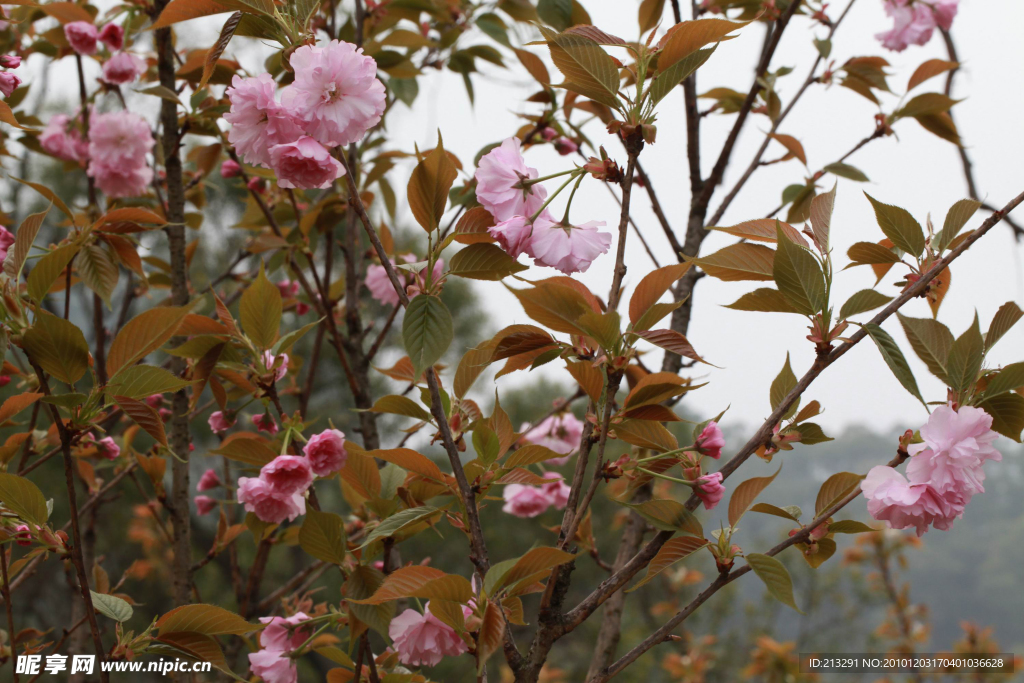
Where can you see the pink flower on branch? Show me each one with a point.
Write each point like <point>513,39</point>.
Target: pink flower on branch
<point>288,474</point>
<point>118,144</point>
<point>82,36</point>
<point>525,501</point>
<point>304,164</point>
<point>112,35</point>
<point>326,452</point>
<point>260,498</point>
<point>8,83</point>
<point>568,248</point>
<point>561,433</point>
<point>205,505</point>
<point>423,639</point>
<point>208,481</point>
<point>219,422</point>
<point>711,441</point>
<point>258,121</point>
<point>498,179</point>
<point>123,67</point>
<point>710,489</point>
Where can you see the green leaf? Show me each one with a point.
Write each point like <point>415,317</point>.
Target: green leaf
<point>931,341</point>
<point>1005,318</point>
<point>834,489</point>
<point>49,194</point>
<point>668,79</point>
<point>98,271</point>
<point>775,577</point>
<point>811,433</point>
<point>764,300</point>
<point>111,606</point>
<point>1007,411</point>
<point>429,185</point>
<point>956,219</point>
<point>260,311</point>
<point>484,262</point>
<point>247,447</point>
<point>400,405</point>
<point>400,520</point>
<point>863,253</point>
<point>209,620</point>
<point>798,276</point>
<point>674,550</point>
<point>894,358</point>
<point>965,358</point>
<point>926,104</point>
<point>362,583</point>
<point>285,343</point>
<point>668,515</point>
<point>427,331</point>
<point>587,68</point>
<point>899,226</point>
<point>23,240</point>
<point>57,346</point>
<point>863,301</point>
<point>486,443</point>
<point>141,381</point>
<point>557,13</point>
<point>739,262</point>
<point>24,498</point>
<point>142,335</point>
<point>322,536</point>
<point>791,512</point>
<point>48,269</point>
<point>849,526</point>
<point>821,218</point>
<point>745,494</point>
<point>783,383</point>
<point>846,171</point>
<point>1009,378</point>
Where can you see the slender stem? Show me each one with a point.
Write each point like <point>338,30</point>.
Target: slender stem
<point>11,633</point>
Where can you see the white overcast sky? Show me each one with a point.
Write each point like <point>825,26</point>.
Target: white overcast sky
<point>918,171</point>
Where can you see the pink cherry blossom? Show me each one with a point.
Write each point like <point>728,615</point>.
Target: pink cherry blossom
<point>118,144</point>
<point>711,441</point>
<point>23,535</point>
<point>557,491</point>
<point>565,146</point>
<point>288,288</point>
<point>326,452</point>
<point>913,24</point>
<point>6,241</point>
<point>273,666</point>
<point>219,423</point>
<point>62,139</point>
<point>230,169</point>
<point>107,448</point>
<point>956,446</point>
<point>82,37</point>
<point>336,92</point>
<point>205,504</point>
<point>123,67</point>
<point>8,83</point>
<point>112,36</point>
<point>380,287</point>
<point>269,359</point>
<point>265,423</point>
<point>304,164</point>
<point>525,501</point>
<point>260,498</point>
<point>423,639</point>
<point>893,499</point>
<point>497,176</point>
<point>288,474</point>
<point>945,12</point>
<point>560,432</point>
<point>10,61</point>
<point>4,380</point>
<point>710,489</point>
<point>258,121</point>
<point>208,481</point>
<point>569,248</point>
<point>513,235</point>
<point>275,636</point>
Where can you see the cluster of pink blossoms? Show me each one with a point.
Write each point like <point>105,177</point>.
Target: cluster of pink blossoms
<point>9,82</point>
<point>334,99</point>
<point>423,639</point>
<point>271,662</point>
<point>915,20</point>
<point>530,501</point>
<point>279,492</point>
<point>118,144</point>
<point>500,190</point>
<point>943,474</point>
<point>560,432</point>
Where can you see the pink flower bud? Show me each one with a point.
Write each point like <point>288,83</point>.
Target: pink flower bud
<point>230,169</point>
<point>265,423</point>
<point>8,83</point>
<point>82,37</point>
<point>257,185</point>
<point>208,481</point>
<point>205,504</point>
<point>10,61</point>
<point>710,441</point>
<point>565,146</point>
<point>710,489</point>
<point>112,36</point>
<point>220,423</point>
<point>23,535</point>
<point>5,380</point>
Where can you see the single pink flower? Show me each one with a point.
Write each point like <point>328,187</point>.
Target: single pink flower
<point>123,67</point>
<point>219,423</point>
<point>112,36</point>
<point>23,535</point>
<point>956,446</point>
<point>230,169</point>
<point>945,12</point>
<point>10,61</point>
<point>565,146</point>
<point>497,177</point>
<point>118,144</point>
<point>208,481</point>
<point>269,359</point>
<point>336,92</point>
<point>257,185</point>
<point>912,25</point>
<point>260,498</point>
<point>557,491</point>
<point>380,287</point>
<point>301,308</point>
<point>155,400</point>
<point>525,501</point>
<point>82,37</point>
<point>289,288</point>
<point>273,666</point>
<point>326,452</point>
<point>513,235</point>
<point>258,121</point>
<point>8,83</point>
<point>288,474</point>
<point>304,164</point>
<point>205,505</point>
<point>275,636</point>
<point>711,441</point>
<point>265,423</point>
<point>6,241</point>
<point>560,432</point>
<point>61,139</point>
<point>107,448</point>
<point>569,248</point>
<point>709,489</point>
<point>423,639</point>
<point>902,504</point>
